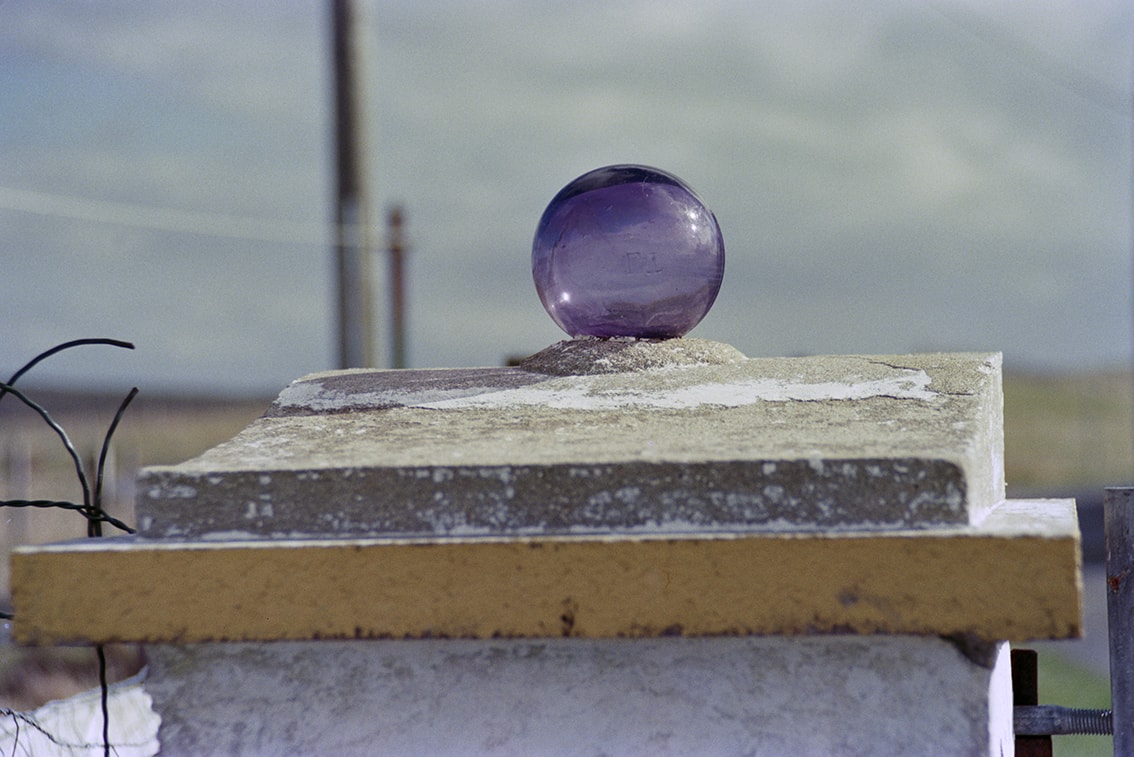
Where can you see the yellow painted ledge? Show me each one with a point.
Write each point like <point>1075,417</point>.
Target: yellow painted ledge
<point>1014,577</point>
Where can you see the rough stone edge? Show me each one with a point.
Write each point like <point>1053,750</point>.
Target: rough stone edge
<point>614,498</point>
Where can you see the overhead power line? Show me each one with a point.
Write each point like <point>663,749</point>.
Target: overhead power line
<point>164,219</point>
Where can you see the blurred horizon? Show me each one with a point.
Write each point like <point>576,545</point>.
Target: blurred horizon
<point>889,177</point>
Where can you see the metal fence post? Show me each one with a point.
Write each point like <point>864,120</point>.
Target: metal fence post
<point>1025,693</point>
<point>1118,510</point>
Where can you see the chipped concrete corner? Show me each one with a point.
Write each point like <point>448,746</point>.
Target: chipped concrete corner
<point>667,437</point>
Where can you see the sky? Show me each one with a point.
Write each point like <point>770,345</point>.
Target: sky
<point>889,177</point>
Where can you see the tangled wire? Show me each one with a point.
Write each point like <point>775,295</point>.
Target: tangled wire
<point>91,506</point>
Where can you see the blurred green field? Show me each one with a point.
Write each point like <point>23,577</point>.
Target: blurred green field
<point>1062,682</point>
<point>1063,433</point>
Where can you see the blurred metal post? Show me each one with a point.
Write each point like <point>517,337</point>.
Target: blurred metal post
<point>352,233</point>
<point>1118,511</point>
<point>396,243</point>
<point>1025,696</point>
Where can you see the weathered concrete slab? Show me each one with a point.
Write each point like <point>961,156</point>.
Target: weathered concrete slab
<point>708,441</point>
<point>841,695</point>
<point>1015,576</point>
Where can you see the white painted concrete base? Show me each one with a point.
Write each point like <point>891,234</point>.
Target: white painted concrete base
<point>72,727</point>
<point>819,695</point>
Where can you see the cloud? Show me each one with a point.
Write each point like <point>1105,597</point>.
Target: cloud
<point>888,177</point>
<point>263,58</point>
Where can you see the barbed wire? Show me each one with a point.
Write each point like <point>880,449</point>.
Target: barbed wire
<point>86,512</point>
<point>91,507</point>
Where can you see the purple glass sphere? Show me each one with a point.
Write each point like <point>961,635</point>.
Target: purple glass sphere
<point>627,251</point>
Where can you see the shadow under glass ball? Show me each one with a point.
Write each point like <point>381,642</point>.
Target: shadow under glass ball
<point>627,251</point>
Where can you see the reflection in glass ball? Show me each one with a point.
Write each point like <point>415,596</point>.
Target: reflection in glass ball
<point>627,251</point>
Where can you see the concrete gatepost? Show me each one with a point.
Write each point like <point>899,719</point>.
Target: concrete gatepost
<point>617,547</point>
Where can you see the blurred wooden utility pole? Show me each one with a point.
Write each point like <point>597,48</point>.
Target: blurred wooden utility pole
<point>352,245</point>
<point>396,244</point>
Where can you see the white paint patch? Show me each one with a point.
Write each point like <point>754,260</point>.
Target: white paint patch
<point>1000,705</point>
<point>313,395</point>
<point>230,536</point>
<point>178,491</point>
<point>308,394</point>
<point>588,393</point>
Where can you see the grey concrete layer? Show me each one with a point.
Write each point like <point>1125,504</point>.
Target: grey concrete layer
<point>862,442</point>
<point>838,695</point>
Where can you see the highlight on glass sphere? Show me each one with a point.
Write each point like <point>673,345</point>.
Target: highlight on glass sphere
<point>627,251</point>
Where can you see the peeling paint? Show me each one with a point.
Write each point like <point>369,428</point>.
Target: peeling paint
<point>582,393</point>
<point>177,491</point>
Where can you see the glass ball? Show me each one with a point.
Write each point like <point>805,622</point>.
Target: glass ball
<point>627,251</point>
